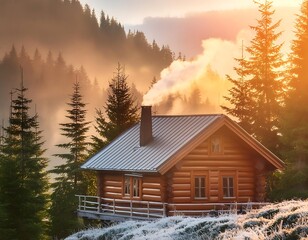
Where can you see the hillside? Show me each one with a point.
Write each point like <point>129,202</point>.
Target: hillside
<point>286,220</point>
<point>59,41</point>
<point>68,27</point>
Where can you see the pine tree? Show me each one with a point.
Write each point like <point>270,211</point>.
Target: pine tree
<point>120,109</point>
<point>240,95</point>
<point>70,180</point>
<point>23,178</point>
<point>99,140</point>
<point>294,182</point>
<point>258,93</point>
<point>265,63</point>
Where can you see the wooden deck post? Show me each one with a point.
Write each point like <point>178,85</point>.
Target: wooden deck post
<point>164,210</point>
<point>113,205</point>
<point>131,208</point>
<point>84,202</point>
<point>99,204</point>
<point>79,204</point>
<point>100,186</point>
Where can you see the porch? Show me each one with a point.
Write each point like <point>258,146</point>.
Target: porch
<point>93,207</point>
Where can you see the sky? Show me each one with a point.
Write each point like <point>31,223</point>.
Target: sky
<point>130,12</point>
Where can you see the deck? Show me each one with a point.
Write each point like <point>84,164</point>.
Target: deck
<point>93,207</point>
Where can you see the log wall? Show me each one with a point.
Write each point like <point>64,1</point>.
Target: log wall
<point>112,185</point>
<point>234,160</point>
<point>153,187</point>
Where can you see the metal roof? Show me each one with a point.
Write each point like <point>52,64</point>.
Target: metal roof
<point>170,134</point>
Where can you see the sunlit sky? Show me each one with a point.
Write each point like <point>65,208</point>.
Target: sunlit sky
<point>134,11</point>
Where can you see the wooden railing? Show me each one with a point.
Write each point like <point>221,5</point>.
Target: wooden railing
<point>120,207</point>
<point>213,209</point>
<point>117,209</point>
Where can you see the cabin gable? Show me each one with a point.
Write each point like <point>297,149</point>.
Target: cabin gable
<point>223,168</point>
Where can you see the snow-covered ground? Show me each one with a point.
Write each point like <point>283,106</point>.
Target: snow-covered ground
<point>286,220</point>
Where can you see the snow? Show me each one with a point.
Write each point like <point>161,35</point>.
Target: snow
<point>285,220</point>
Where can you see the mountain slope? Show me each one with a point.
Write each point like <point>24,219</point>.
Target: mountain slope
<point>66,26</point>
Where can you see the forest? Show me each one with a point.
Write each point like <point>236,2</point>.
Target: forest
<point>51,123</point>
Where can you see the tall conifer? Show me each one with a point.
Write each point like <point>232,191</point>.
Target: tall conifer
<point>120,109</point>
<point>70,180</point>
<point>23,178</point>
<point>265,63</point>
<point>240,95</point>
<point>263,91</point>
<point>294,182</point>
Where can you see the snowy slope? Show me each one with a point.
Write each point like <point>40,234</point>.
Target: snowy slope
<point>286,220</point>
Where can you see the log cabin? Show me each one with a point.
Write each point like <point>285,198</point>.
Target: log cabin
<point>168,165</point>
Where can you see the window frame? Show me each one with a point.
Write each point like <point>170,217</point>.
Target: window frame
<point>199,174</point>
<point>228,174</point>
<point>132,179</point>
<point>228,187</point>
<point>138,181</point>
<point>220,145</point>
<point>200,178</point>
<point>127,183</point>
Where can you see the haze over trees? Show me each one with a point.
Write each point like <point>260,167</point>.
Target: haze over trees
<point>49,36</point>
<point>96,42</point>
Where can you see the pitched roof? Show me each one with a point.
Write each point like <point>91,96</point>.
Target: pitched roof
<point>174,137</point>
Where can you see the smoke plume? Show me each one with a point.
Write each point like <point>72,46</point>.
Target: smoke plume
<point>206,72</point>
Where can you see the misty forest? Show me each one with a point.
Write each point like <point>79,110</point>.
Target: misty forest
<point>71,82</point>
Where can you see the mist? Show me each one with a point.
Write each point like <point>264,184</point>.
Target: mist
<point>91,49</point>
<point>204,76</point>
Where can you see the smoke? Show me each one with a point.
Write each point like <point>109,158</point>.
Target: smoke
<point>206,73</point>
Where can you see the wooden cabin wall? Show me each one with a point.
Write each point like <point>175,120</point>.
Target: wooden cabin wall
<point>111,186</point>
<point>154,188</point>
<point>233,160</point>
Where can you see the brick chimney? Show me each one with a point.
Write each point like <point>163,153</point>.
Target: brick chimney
<point>146,125</point>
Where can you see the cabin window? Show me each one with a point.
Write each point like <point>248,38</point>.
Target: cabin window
<point>136,187</point>
<point>200,183</point>
<point>216,144</point>
<point>127,186</point>
<point>132,187</point>
<point>228,187</point>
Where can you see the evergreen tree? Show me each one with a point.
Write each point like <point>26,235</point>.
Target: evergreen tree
<point>23,178</point>
<point>294,181</point>
<point>120,109</point>
<point>265,64</point>
<point>258,93</point>
<point>70,180</point>
<point>240,95</point>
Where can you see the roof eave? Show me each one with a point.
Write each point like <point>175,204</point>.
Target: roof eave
<point>121,170</point>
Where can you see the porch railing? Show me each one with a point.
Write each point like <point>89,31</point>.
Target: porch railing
<point>121,207</point>
<point>192,209</point>
<point>108,208</point>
